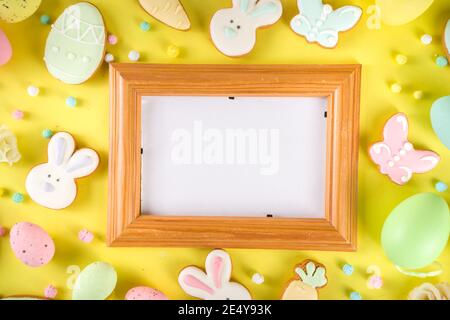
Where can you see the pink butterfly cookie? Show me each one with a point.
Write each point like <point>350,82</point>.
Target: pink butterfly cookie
<point>396,156</point>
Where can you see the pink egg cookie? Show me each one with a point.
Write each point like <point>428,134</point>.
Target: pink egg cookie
<point>31,244</point>
<point>396,156</point>
<point>144,293</point>
<point>5,49</point>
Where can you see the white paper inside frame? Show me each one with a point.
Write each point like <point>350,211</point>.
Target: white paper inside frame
<point>218,156</point>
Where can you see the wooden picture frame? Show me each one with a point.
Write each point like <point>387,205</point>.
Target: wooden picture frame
<point>340,84</point>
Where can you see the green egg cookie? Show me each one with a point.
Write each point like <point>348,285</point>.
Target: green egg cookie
<point>17,10</point>
<point>76,44</point>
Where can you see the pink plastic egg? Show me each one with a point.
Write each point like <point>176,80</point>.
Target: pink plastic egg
<point>144,293</point>
<point>31,244</point>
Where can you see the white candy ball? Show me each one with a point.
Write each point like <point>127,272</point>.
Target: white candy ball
<point>33,91</point>
<point>258,278</point>
<point>426,39</point>
<point>134,55</point>
<point>109,58</point>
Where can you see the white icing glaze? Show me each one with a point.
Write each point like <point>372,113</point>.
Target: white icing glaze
<point>215,283</point>
<point>52,184</point>
<point>233,30</point>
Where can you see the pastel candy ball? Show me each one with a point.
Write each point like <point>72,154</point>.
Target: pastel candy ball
<point>173,51</point>
<point>401,59</point>
<point>33,91</point>
<point>71,102</point>
<point>441,61</point>
<point>418,94</point>
<point>14,11</point>
<point>426,39</point>
<point>258,278</point>
<point>85,236</point>
<point>416,231</point>
<point>396,88</point>
<point>31,244</point>
<point>109,58</point>
<point>440,119</point>
<point>375,282</point>
<point>76,44</point>
<point>144,293</point>
<point>18,114</point>
<point>145,26</point>
<point>347,269</point>
<point>44,19</point>
<point>134,55</point>
<point>355,296</point>
<point>441,186</point>
<point>18,197</point>
<point>96,282</point>
<point>47,133</point>
<point>112,39</point>
<point>50,292</point>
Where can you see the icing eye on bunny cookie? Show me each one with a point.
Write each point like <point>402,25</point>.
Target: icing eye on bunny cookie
<point>233,30</point>
<point>52,184</point>
<point>215,283</point>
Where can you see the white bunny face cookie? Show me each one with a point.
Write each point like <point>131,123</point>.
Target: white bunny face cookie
<point>215,284</point>
<point>233,30</point>
<point>52,184</point>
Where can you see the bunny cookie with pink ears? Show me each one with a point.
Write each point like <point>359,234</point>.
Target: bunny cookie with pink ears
<point>52,184</point>
<point>215,283</point>
<point>233,30</point>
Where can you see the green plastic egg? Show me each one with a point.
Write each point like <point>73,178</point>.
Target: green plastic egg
<point>416,232</point>
<point>440,119</point>
<point>96,282</point>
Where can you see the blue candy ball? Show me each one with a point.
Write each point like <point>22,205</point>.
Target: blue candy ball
<point>441,61</point>
<point>347,269</point>
<point>355,296</point>
<point>145,26</point>
<point>47,133</point>
<point>45,19</point>
<point>441,186</point>
<point>18,197</point>
<point>71,102</point>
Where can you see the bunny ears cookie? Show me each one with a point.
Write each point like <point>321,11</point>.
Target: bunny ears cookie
<point>215,283</point>
<point>320,23</point>
<point>52,184</point>
<point>233,30</point>
<point>310,277</point>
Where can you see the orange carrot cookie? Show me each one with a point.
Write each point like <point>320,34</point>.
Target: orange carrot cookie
<point>170,12</point>
<point>310,277</point>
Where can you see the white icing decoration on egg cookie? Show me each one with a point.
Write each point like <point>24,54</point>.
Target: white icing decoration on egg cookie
<point>76,44</point>
<point>52,184</point>
<point>233,30</point>
<point>320,23</point>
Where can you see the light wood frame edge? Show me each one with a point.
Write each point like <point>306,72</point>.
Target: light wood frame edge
<point>129,82</point>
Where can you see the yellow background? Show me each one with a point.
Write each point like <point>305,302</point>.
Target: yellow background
<point>88,122</point>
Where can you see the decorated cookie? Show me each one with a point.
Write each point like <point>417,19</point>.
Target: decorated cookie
<point>31,244</point>
<point>52,184</point>
<point>5,48</point>
<point>96,282</point>
<point>170,12</point>
<point>396,156</point>
<point>9,152</point>
<point>76,44</point>
<point>215,283</point>
<point>144,293</point>
<point>399,12</point>
<point>446,38</point>
<point>17,10</point>
<point>233,30</point>
<point>311,276</point>
<point>318,22</point>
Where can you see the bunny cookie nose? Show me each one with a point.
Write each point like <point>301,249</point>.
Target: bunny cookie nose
<point>48,187</point>
<point>230,32</point>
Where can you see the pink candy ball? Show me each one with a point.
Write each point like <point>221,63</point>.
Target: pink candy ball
<point>85,236</point>
<point>18,114</point>
<point>112,39</point>
<point>50,292</point>
<point>376,282</point>
<point>144,293</point>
